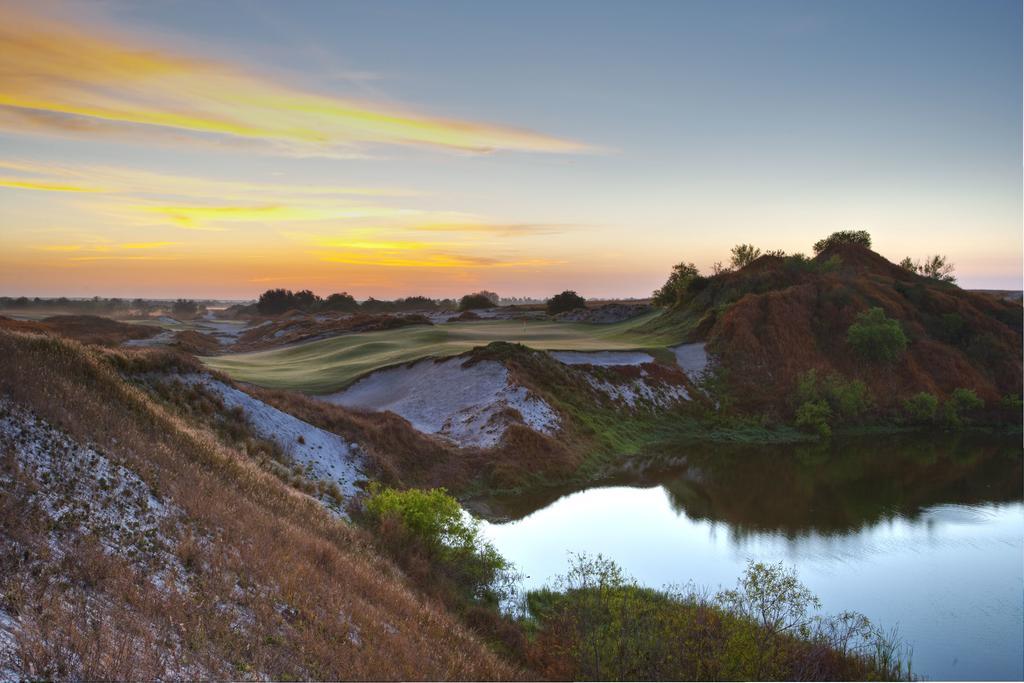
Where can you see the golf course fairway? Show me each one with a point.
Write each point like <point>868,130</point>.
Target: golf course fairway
<point>327,365</point>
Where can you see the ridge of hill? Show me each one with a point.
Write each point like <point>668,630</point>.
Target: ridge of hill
<point>774,320</point>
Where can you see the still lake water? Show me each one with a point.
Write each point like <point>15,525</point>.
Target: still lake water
<point>923,533</point>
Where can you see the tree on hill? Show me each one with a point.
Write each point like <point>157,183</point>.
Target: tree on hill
<point>275,301</point>
<point>673,292</point>
<point>566,301</point>
<point>343,301</point>
<point>495,299</point>
<point>744,254</point>
<point>935,267</point>
<point>861,237</point>
<point>306,300</point>
<point>474,301</point>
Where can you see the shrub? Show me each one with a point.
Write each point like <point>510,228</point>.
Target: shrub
<point>435,520</point>
<point>847,399</point>
<point>744,254</point>
<point>475,301</point>
<point>1012,403</point>
<point>935,267</point>
<point>960,404</point>
<point>598,624</point>
<point>673,292</point>
<point>861,237</point>
<point>921,408</point>
<point>813,417</point>
<point>876,337</point>
<point>566,301</point>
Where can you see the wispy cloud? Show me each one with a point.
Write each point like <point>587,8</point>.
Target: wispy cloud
<point>420,259</point>
<point>498,229</point>
<point>119,180</point>
<point>102,248</point>
<point>68,74</point>
<point>44,186</point>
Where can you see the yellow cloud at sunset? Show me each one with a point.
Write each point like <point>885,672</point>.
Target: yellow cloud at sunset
<point>62,70</point>
<point>16,184</point>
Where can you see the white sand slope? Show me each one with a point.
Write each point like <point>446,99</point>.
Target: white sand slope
<point>642,392</point>
<point>326,456</point>
<point>604,358</point>
<point>693,359</point>
<point>81,489</point>
<point>468,405</point>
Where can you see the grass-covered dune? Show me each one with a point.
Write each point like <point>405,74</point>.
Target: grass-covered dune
<point>139,541</point>
<point>329,364</point>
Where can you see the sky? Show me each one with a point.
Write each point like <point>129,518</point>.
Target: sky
<point>217,149</point>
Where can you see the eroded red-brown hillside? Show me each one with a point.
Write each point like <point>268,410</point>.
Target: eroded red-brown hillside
<point>779,317</point>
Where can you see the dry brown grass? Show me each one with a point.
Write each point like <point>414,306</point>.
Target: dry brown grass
<point>88,329</point>
<point>274,584</point>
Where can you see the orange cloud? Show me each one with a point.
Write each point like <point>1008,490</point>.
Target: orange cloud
<point>64,71</point>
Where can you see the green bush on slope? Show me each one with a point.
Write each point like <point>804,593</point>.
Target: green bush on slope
<point>875,337</point>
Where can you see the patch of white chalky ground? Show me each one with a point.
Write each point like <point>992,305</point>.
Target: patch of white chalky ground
<point>324,455</point>
<point>467,404</point>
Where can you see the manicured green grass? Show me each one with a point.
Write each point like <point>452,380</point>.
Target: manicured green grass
<point>328,365</point>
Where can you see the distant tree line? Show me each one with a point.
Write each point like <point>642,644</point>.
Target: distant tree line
<point>277,301</point>
<point>114,306</point>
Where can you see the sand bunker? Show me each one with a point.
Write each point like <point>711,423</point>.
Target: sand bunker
<point>469,405</point>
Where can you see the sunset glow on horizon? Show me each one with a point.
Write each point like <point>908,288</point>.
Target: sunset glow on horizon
<point>393,150</point>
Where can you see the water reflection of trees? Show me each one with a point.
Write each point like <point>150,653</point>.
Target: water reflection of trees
<point>843,485</point>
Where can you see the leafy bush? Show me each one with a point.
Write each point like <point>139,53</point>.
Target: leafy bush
<point>475,301</point>
<point>876,337</point>
<point>437,523</point>
<point>1012,403</point>
<point>960,404</point>
<point>814,416</point>
<point>598,624</point>
<point>921,408</point>
<point>744,254</point>
<point>935,267</point>
<point>846,399</point>
<point>673,292</point>
<point>861,237</point>
<point>566,301</point>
